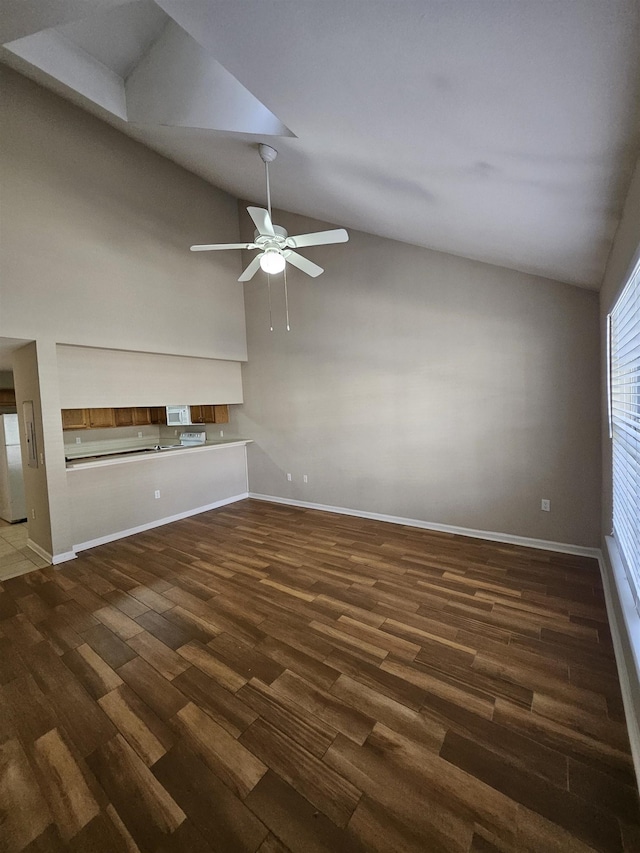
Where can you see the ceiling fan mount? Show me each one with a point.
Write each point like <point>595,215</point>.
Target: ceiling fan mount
<point>275,245</point>
<point>267,153</point>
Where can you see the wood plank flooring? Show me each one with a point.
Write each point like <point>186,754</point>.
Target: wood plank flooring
<point>265,679</point>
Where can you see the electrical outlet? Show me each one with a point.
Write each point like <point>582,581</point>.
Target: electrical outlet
<point>157,494</point>
<point>545,505</point>
<point>221,433</point>
<point>78,440</point>
<point>139,433</point>
<point>305,479</point>
<point>33,513</point>
<point>289,477</point>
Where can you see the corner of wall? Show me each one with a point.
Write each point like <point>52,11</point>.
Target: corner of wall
<point>27,385</point>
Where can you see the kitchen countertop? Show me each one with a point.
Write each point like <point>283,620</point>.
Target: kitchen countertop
<point>139,454</point>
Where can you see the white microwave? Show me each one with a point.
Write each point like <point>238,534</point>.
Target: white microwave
<point>178,415</point>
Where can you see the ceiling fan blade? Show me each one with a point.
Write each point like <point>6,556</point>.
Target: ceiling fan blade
<point>214,247</point>
<point>252,269</point>
<point>318,238</point>
<point>262,221</point>
<point>303,264</point>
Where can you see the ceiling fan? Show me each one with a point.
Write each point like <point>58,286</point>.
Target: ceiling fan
<point>276,247</point>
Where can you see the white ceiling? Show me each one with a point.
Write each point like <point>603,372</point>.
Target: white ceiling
<point>502,130</point>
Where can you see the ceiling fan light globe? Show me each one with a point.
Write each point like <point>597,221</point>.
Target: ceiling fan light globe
<point>272,262</point>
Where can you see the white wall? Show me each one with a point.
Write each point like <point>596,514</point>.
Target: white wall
<point>425,386</point>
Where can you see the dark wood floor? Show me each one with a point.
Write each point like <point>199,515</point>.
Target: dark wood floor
<point>265,678</point>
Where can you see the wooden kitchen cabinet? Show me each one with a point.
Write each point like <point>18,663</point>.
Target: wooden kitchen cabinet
<point>75,419</point>
<point>101,418</point>
<point>207,413</point>
<point>202,414</point>
<point>7,396</point>
<point>158,415</point>
<point>221,414</point>
<point>123,417</point>
<point>132,416</point>
<point>141,415</point>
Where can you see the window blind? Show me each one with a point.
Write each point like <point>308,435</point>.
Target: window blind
<point>625,426</point>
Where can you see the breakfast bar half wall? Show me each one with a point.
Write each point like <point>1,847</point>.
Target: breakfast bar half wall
<point>113,498</point>
<point>54,376</point>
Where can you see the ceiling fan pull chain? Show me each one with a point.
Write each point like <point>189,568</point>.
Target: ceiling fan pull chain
<point>269,289</point>
<point>286,299</point>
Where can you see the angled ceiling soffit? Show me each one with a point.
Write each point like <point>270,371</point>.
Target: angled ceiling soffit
<point>169,80</point>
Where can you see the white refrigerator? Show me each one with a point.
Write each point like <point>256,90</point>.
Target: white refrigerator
<point>12,503</point>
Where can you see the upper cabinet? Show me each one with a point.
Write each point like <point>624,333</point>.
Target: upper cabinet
<point>141,415</point>
<point>123,417</point>
<point>158,414</point>
<point>75,418</point>
<point>207,413</point>
<point>133,416</point>
<point>99,418</point>
<point>204,413</point>
<point>197,414</point>
<point>89,418</point>
<point>221,414</point>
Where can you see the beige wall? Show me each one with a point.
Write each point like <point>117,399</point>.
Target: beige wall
<point>422,385</point>
<point>412,383</point>
<point>101,377</point>
<point>95,254</point>
<point>96,249</point>
<point>115,498</point>
<point>27,384</point>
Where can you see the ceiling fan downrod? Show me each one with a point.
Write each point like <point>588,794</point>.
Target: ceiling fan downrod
<point>267,155</point>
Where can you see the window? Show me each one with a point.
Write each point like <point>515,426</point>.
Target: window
<point>624,419</point>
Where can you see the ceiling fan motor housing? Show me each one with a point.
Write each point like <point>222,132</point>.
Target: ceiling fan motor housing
<point>265,240</point>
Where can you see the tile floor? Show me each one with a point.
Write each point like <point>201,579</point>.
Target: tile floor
<point>16,558</point>
<point>271,679</point>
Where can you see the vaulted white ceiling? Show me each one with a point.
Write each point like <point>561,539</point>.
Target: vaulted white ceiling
<point>501,130</point>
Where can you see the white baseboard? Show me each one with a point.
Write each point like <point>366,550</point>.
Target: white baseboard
<point>624,621</point>
<point>507,538</point>
<point>63,558</point>
<point>121,534</point>
<point>39,551</point>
